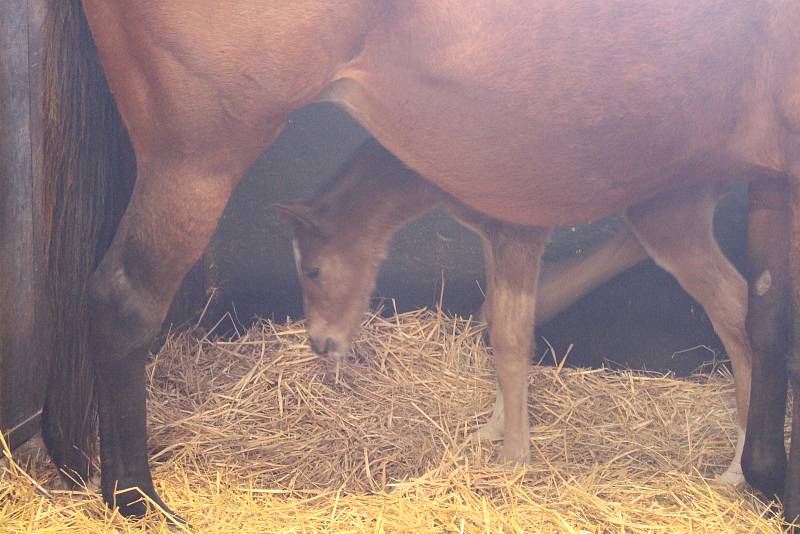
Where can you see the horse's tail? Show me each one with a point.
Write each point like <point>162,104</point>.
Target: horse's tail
<point>89,169</point>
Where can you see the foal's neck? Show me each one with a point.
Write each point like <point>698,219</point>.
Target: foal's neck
<point>375,195</point>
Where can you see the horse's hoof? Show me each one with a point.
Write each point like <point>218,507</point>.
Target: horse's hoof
<point>133,503</point>
<point>791,516</point>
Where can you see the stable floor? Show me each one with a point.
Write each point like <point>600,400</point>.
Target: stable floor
<point>255,434</point>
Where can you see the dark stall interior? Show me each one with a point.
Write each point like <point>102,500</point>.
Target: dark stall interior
<point>641,319</point>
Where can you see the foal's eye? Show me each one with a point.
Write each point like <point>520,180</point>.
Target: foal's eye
<point>313,274</point>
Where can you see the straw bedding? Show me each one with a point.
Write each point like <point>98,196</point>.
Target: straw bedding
<point>255,434</point>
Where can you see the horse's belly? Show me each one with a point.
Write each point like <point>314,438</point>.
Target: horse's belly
<point>556,112</point>
<point>531,169</point>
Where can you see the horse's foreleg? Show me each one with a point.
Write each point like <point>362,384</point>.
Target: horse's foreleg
<point>764,456</point>
<point>512,256</point>
<point>676,230</point>
<point>171,217</point>
<point>791,497</point>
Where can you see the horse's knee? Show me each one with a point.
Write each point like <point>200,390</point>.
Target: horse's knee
<point>124,318</point>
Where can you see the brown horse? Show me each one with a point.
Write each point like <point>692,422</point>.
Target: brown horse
<point>533,113</point>
<point>342,235</point>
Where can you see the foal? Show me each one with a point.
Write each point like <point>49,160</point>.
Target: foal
<point>341,238</point>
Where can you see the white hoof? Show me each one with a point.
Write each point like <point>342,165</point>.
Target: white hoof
<point>92,486</point>
<point>517,455</point>
<point>731,477</point>
<point>491,431</point>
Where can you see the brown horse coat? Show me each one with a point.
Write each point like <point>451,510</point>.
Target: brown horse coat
<point>535,113</point>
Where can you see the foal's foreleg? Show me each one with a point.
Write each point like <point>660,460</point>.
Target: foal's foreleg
<point>676,229</point>
<point>562,284</point>
<point>565,282</point>
<point>512,256</point>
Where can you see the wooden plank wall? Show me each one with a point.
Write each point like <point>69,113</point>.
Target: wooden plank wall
<point>23,332</point>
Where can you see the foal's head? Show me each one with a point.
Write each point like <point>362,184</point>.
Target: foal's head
<point>341,238</point>
<point>337,263</point>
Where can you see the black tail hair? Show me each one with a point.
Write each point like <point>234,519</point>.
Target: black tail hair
<point>89,169</point>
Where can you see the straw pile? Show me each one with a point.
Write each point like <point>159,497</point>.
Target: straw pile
<point>255,434</point>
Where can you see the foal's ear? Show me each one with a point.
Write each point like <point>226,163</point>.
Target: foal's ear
<point>304,217</point>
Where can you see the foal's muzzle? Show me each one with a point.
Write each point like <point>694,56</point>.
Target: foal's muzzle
<point>329,346</point>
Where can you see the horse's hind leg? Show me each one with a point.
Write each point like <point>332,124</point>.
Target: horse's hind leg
<point>172,214</point>
<point>512,256</point>
<point>676,230</point>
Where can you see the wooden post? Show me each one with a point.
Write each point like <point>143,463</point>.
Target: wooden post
<point>23,324</point>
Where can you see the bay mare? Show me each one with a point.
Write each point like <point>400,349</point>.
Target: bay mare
<point>534,113</point>
<point>342,236</point>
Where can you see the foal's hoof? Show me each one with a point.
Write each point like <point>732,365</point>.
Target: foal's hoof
<point>516,455</point>
<point>94,484</point>
<point>731,477</point>
<point>489,432</point>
